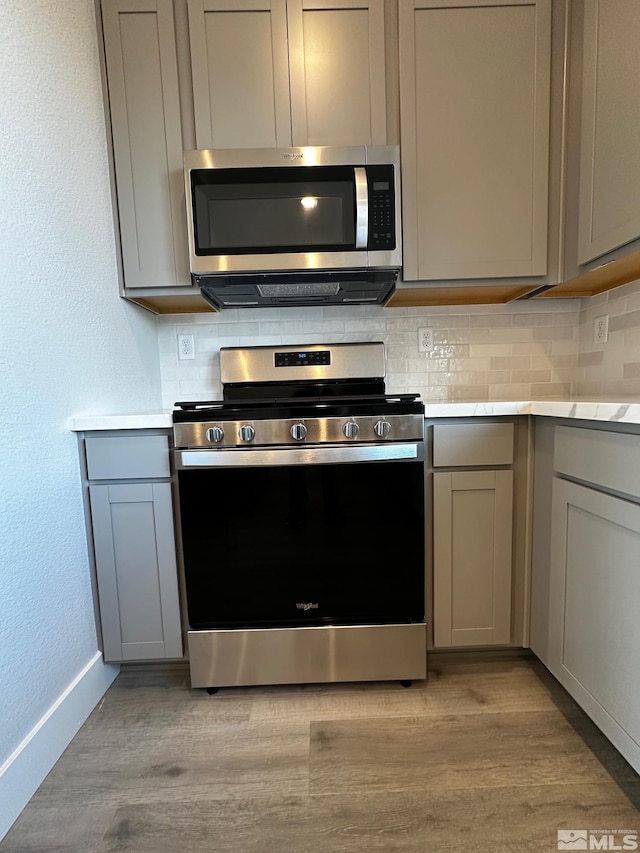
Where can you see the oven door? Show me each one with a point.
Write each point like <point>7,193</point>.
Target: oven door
<point>303,536</point>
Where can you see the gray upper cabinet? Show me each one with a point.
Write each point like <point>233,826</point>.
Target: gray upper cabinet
<point>609,208</point>
<point>240,73</point>
<point>276,73</point>
<point>144,106</point>
<point>337,62</point>
<point>474,111</point>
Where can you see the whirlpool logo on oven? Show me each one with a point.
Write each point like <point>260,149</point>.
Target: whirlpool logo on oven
<point>307,605</point>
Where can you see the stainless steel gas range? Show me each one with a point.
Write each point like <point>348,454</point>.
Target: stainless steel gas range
<point>302,520</point>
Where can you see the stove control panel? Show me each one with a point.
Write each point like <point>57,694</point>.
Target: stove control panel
<point>303,358</point>
<point>268,432</point>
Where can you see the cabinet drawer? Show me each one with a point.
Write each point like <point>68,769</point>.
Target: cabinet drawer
<point>609,459</point>
<point>130,457</point>
<point>456,445</point>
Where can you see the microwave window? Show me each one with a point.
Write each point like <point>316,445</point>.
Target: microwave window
<point>297,213</point>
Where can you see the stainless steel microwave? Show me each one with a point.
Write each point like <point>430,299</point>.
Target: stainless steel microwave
<point>295,226</point>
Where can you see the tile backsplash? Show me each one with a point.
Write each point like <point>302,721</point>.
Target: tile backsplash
<point>610,370</point>
<point>537,349</point>
<point>520,351</point>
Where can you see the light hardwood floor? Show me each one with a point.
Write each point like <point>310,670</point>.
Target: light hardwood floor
<point>489,755</point>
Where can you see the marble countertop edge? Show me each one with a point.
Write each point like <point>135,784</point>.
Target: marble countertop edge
<point>594,410</point>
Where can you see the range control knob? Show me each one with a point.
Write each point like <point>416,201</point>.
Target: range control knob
<point>382,429</point>
<point>298,431</point>
<point>215,434</point>
<point>351,429</point>
<point>246,432</point>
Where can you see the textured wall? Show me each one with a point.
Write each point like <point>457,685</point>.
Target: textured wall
<point>521,351</point>
<point>68,345</point>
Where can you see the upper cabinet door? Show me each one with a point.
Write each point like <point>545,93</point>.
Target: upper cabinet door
<point>240,73</point>
<point>142,77</point>
<point>337,61</point>
<point>610,153</point>
<point>474,112</point>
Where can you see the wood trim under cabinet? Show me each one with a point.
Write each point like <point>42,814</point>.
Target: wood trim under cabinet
<point>191,303</point>
<point>470,294</point>
<point>603,278</point>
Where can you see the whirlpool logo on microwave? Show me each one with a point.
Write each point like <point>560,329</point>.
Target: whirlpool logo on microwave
<point>294,155</point>
<point>307,605</point>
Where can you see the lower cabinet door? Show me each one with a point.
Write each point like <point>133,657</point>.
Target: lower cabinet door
<point>472,535</point>
<point>136,569</point>
<point>594,596</point>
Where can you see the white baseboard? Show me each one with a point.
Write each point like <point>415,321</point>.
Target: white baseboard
<point>25,769</point>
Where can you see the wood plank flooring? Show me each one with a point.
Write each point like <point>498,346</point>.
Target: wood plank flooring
<point>490,754</point>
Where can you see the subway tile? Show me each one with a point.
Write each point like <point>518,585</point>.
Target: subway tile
<point>259,340</point>
<point>588,390</point>
<point>510,362</point>
<point>555,333</point>
<point>451,351</point>
<point>431,395</point>
<point>590,359</point>
<point>505,336</point>
<point>530,320</point>
<point>540,390</point>
<point>509,391</point>
<point>564,347</point>
<point>343,312</point>
<point>553,361</point>
<point>624,321</point>
<point>469,364</point>
<point>322,327</point>
<point>471,393</point>
<point>490,377</point>
<point>370,325</point>
<point>562,374</point>
<point>531,348</point>
<point>238,330</point>
<point>490,321</point>
<point>530,376</point>
<point>489,350</point>
<point>461,336</point>
<point>280,327</point>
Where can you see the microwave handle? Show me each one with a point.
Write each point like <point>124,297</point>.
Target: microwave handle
<point>362,208</point>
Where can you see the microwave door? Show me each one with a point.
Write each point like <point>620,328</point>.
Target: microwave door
<point>279,218</point>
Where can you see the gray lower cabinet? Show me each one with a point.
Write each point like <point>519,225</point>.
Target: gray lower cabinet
<point>589,632</point>
<point>473,524</point>
<point>134,547</point>
<point>473,520</point>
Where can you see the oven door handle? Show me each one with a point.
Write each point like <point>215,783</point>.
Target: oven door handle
<point>264,457</point>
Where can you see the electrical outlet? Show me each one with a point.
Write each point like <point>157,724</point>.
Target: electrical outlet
<point>425,340</point>
<point>601,329</point>
<point>186,347</point>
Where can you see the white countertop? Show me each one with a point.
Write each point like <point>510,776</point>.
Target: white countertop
<point>590,410</point>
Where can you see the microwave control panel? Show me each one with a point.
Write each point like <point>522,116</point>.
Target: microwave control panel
<point>382,206</point>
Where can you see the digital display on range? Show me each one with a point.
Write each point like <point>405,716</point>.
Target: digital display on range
<point>302,358</point>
